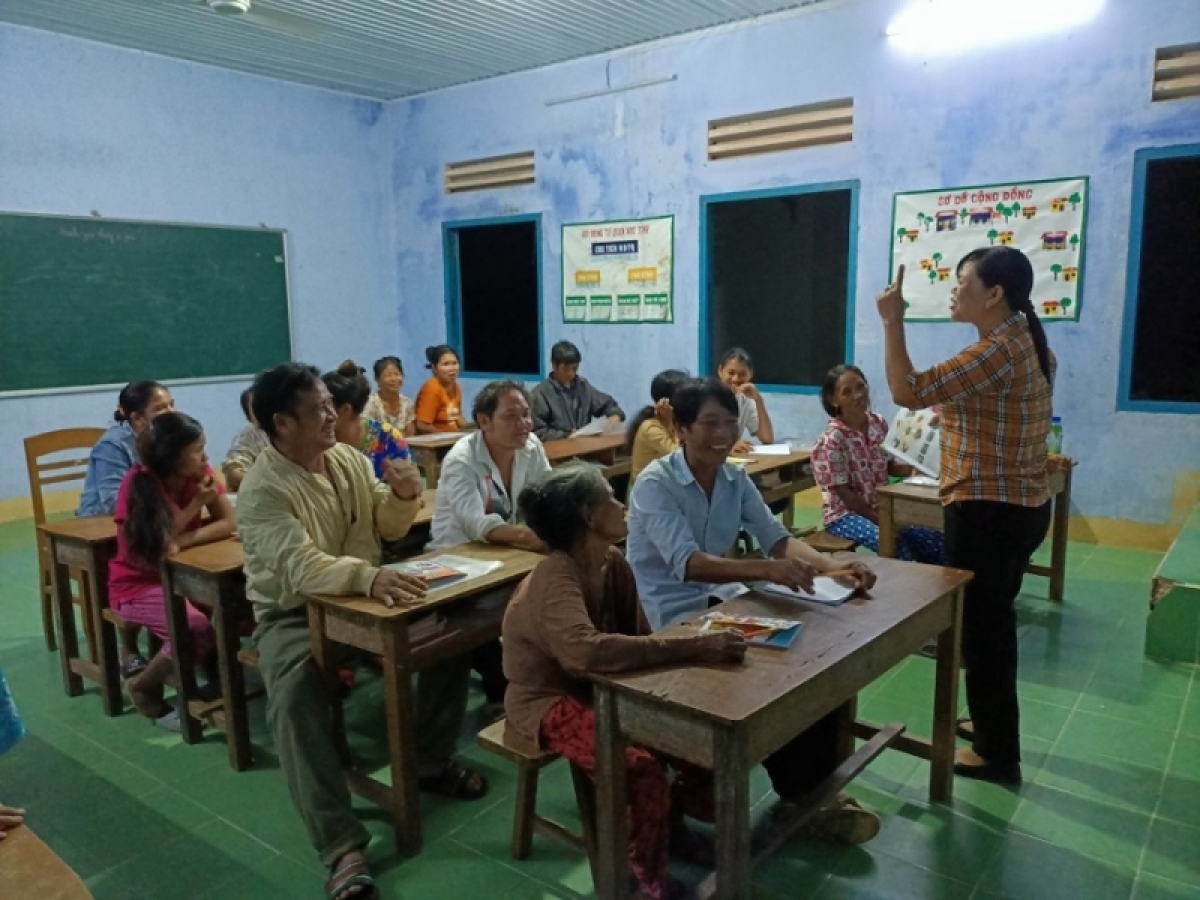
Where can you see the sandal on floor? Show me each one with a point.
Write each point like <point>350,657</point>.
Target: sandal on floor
<point>961,729</point>
<point>455,780</point>
<point>351,881</point>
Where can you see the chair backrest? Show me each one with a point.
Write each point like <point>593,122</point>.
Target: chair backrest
<point>42,457</point>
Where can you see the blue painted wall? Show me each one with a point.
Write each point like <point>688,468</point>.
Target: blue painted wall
<point>88,127</point>
<point>1067,104</point>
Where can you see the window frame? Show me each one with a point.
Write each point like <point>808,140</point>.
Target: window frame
<point>1133,268</point>
<point>451,262</point>
<point>706,350</point>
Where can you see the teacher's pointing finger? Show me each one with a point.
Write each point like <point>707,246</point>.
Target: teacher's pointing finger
<point>891,301</point>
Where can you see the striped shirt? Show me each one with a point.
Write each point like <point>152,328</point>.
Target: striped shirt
<point>995,415</point>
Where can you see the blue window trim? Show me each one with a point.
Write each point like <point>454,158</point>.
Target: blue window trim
<point>706,350</point>
<point>454,327</point>
<point>1141,160</point>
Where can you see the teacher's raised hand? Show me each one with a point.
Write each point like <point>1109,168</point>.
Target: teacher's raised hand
<point>891,301</point>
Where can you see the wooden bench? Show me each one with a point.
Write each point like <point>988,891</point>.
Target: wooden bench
<point>503,741</point>
<point>28,868</point>
<point>824,542</point>
<point>1173,631</point>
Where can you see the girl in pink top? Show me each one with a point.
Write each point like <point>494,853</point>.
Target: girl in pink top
<point>158,512</point>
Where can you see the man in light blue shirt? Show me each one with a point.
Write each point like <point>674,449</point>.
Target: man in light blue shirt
<point>685,513</point>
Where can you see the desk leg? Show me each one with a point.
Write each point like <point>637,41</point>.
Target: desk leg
<point>1058,540</point>
<point>945,706</point>
<point>732,815</point>
<point>402,748</point>
<point>612,842</point>
<point>191,729</point>
<point>887,528</point>
<point>96,601</point>
<point>68,637</point>
<point>233,682</point>
<point>325,658</point>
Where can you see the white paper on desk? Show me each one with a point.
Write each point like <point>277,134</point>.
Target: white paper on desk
<point>471,568</point>
<point>825,590</point>
<point>596,426</point>
<point>420,439</point>
<point>772,449</point>
<point>921,481</point>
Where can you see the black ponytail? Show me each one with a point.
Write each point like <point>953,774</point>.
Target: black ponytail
<point>149,519</point>
<point>134,398</point>
<point>664,385</point>
<point>1009,268</point>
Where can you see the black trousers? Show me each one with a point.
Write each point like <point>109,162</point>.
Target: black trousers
<point>994,540</point>
<point>801,764</point>
<point>488,661</point>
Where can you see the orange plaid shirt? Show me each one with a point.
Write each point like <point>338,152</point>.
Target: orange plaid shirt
<point>995,415</point>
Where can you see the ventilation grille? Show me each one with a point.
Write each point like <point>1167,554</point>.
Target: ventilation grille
<point>1177,72</point>
<point>781,129</point>
<point>494,172</point>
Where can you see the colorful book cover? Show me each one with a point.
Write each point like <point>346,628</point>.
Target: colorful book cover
<point>432,572</point>
<point>758,630</point>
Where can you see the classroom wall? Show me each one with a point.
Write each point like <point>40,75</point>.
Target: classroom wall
<point>84,127</point>
<point>1061,105</point>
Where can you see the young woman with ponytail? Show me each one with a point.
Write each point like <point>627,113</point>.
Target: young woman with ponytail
<point>995,403</point>
<point>158,512</point>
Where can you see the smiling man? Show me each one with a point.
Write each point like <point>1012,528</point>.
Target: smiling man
<point>311,515</point>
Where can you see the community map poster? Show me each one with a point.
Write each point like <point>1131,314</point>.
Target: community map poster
<point>933,230</point>
<point>619,273</point>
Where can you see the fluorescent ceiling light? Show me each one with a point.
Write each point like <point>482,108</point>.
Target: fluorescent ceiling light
<point>952,26</point>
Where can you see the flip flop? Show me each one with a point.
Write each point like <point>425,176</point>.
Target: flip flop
<point>352,881</point>
<point>455,780</point>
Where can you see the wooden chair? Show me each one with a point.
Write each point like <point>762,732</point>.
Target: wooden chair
<point>503,741</point>
<point>824,542</point>
<point>57,457</point>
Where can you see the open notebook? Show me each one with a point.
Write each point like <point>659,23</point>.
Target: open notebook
<point>825,590</point>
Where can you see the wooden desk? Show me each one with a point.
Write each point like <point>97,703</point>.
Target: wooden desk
<point>428,451</point>
<point>601,448</point>
<point>368,625</point>
<point>905,504</point>
<point>729,718</point>
<point>211,576</point>
<point>86,545</point>
<point>28,868</point>
<point>782,477</point>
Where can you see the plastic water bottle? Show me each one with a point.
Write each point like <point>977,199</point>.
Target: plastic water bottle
<point>1054,440</point>
<point>11,729</point>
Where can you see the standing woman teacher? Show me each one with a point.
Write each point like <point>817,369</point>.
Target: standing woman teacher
<point>995,399</point>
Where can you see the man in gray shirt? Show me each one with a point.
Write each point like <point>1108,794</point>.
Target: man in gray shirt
<point>564,402</point>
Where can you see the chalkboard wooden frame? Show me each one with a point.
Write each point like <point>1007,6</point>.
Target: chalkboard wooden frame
<point>238,274</point>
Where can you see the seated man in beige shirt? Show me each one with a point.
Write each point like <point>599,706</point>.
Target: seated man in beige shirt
<point>311,515</point>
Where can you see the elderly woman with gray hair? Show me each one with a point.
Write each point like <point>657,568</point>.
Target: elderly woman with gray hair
<point>579,612</point>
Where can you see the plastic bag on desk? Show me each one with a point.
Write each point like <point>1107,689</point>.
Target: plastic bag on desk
<point>11,728</point>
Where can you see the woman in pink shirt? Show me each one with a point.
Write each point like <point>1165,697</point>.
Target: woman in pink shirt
<point>158,512</point>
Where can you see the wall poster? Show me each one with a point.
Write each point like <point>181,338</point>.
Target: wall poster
<point>933,230</point>
<point>619,273</point>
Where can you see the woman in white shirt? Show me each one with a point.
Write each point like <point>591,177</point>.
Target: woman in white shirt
<point>482,476</point>
<point>736,369</point>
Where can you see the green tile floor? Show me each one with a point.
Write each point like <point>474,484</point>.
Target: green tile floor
<point>1110,808</point>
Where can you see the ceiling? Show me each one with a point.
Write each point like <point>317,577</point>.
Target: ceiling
<point>381,48</point>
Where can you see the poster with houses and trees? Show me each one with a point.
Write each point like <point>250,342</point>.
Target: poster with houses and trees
<point>933,230</point>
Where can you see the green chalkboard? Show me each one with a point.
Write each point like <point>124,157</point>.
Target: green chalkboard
<point>89,302</point>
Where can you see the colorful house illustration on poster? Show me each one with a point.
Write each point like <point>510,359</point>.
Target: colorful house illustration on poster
<point>1044,219</point>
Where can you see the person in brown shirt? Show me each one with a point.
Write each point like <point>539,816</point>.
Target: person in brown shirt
<point>578,612</point>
